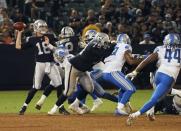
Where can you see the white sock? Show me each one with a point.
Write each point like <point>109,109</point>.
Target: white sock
<point>43,97</point>
<point>76,102</point>
<point>120,106</point>
<point>55,107</point>
<point>25,104</point>
<point>176,92</point>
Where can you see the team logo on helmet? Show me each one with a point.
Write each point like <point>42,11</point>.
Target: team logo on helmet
<point>60,53</point>
<point>89,35</point>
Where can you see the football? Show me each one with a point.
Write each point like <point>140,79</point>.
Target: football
<point>19,26</point>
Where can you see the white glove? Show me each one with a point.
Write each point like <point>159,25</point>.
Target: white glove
<point>132,75</point>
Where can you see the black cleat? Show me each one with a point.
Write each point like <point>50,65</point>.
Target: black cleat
<point>22,111</point>
<point>38,107</point>
<point>63,111</point>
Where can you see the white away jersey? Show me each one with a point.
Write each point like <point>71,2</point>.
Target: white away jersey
<point>170,60</point>
<point>116,60</point>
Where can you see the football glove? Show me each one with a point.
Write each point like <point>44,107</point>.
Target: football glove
<point>132,75</point>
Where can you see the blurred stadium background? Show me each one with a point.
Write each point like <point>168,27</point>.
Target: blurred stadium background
<point>146,22</point>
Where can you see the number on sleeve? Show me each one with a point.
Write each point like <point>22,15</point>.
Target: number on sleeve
<point>69,46</point>
<point>115,51</point>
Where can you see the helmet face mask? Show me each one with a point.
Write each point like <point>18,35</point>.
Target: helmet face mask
<point>66,32</point>
<point>40,26</point>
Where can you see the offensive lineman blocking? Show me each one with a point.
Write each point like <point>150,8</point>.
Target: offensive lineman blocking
<point>78,66</point>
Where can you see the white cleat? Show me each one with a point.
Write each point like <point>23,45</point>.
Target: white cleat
<point>120,112</point>
<point>53,110</point>
<point>130,119</point>
<point>85,109</point>
<point>76,109</point>
<point>128,108</point>
<point>97,103</point>
<point>150,114</point>
<point>151,117</point>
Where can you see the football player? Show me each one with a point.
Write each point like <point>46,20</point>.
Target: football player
<point>78,66</point>
<point>166,75</point>
<point>98,92</point>
<point>69,42</point>
<point>112,72</point>
<point>43,56</point>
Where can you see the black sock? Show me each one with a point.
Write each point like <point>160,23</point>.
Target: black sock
<point>110,97</point>
<point>82,94</point>
<point>31,94</point>
<point>48,90</point>
<point>59,90</point>
<point>61,100</point>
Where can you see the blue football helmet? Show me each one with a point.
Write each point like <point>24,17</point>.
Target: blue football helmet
<point>123,38</point>
<point>60,53</point>
<point>89,35</point>
<point>171,39</point>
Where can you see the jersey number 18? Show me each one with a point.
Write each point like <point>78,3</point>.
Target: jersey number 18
<point>169,54</point>
<point>42,49</point>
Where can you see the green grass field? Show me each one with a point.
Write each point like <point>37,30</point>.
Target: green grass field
<point>11,101</point>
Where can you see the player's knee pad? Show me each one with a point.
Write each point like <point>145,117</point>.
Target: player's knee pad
<point>89,88</point>
<point>36,86</point>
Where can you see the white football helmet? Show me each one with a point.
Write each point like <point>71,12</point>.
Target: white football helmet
<point>102,39</point>
<point>66,32</point>
<point>40,26</point>
<point>60,53</point>
<point>171,39</point>
<point>89,35</point>
<point>123,38</point>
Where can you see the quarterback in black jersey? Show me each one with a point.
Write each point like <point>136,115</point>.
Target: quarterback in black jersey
<point>94,52</point>
<point>43,58</point>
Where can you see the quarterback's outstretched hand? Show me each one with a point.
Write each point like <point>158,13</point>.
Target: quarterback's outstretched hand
<point>132,75</point>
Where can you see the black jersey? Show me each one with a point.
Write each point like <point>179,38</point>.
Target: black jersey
<point>42,52</point>
<point>71,44</point>
<point>91,55</point>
